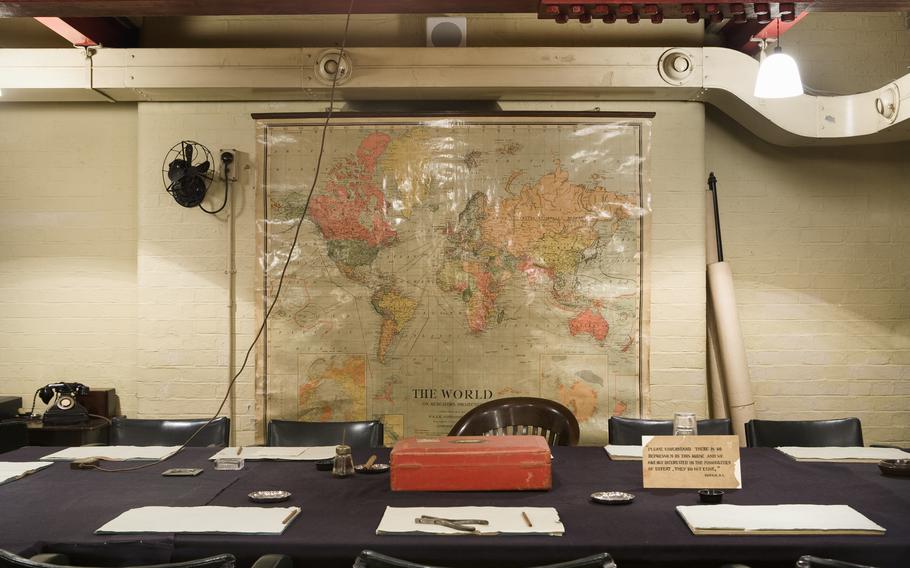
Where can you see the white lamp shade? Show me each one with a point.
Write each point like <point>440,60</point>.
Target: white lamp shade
<point>778,78</point>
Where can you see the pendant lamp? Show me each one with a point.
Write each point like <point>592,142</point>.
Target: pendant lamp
<point>778,74</point>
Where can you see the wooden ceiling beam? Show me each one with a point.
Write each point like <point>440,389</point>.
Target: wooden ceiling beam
<point>100,8</point>
<point>256,7</point>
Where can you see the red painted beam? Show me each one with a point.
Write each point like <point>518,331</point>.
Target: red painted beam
<point>86,32</point>
<point>739,36</point>
<point>257,7</point>
<point>86,8</point>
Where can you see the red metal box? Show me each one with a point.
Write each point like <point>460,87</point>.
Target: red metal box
<point>471,463</point>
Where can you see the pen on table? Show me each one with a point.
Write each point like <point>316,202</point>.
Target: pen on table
<point>290,516</point>
<point>527,519</point>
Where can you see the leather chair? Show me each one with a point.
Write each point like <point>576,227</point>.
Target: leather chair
<point>366,434</point>
<point>13,435</point>
<point>10,560</point>
<point>628,431</point>
<point>370,559</point>
<point>810,433</point>
<point>520,416</point>
<point>170,432</point>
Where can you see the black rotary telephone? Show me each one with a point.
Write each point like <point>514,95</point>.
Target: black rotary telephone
<point>65,410</point>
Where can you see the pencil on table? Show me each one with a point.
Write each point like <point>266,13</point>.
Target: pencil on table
<point>240,449</point>
<point>527,519</point>
<point>290,516</point>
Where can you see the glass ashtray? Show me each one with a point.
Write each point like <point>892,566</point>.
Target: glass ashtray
<point>612,497</point>
<point>271,496</point>
<point>375,468</point>
<point>229,463</point>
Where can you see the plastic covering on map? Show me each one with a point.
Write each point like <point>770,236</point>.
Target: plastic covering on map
<point>445,263</point>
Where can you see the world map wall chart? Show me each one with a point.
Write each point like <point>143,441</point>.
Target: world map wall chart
<point>445,262</point>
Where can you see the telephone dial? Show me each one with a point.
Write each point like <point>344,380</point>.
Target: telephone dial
<point>65,409</point>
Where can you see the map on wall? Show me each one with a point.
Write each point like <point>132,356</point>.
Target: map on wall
<point>447,262</point>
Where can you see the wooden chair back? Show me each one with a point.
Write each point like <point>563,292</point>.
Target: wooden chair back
<point>520,416</point>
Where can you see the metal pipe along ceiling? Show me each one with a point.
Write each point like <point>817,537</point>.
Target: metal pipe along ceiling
<point>721,77</point>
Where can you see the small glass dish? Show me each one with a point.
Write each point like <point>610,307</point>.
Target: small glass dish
<point>375,468</point>
<point>271,496</point>
<point>231,463</point>
<point>897,468</point>
<point>710,496</point>
<point>612,497</point>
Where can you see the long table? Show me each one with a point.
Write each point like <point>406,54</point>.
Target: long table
<point>58,508</point>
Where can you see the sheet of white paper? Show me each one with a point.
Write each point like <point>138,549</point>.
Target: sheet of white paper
<point>776,518</point>
<point>503,520</point>
<point>14,470</point>
<point>624,452</point>
<point>854,453</point>
<point>309,453</point>
<point>200,520</point>
<point>114,453</point>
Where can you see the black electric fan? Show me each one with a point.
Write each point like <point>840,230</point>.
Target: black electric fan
<point>187,172</point>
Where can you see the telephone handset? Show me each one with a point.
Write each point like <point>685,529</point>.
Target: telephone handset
<point>65,410</point>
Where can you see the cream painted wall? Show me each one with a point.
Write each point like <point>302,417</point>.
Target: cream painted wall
<point>68,248</point>
<point>819,242</point>
<point>106,280</point>
<point>850,53</point>
<point>137,284</point>
<point>182,256</point>
<point>171,261</point>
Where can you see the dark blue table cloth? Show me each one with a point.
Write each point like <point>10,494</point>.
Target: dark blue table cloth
<point>58,509</point>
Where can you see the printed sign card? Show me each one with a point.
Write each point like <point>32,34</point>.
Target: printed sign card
<point>691,462</point>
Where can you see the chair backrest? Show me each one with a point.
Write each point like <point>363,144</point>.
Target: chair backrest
<point>810,433</point>
<point>10,560</point>
<point>365,434</point>
<point>815,562</point>
<point>169,432</point>
<point>628,431</point>
<point>13,435</point>
<point>370,559</point>
<point>520,416</point>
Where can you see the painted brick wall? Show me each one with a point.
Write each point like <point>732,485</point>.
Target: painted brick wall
<point>107,280</point>
<point>144,279</point>
<point>68,247</point>
<point>182,341</point>
<point>850,52</point>
<point>819,242</point>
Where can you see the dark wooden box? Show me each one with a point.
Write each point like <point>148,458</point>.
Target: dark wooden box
<point>9,406</point>
<point>101,402</point>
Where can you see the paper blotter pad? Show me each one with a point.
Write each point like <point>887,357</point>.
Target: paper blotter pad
<point>624,453</point>
<point>114,453</point>
<point>776,520</point>
<point>203,520</point>
<point>846,454</point>
<point>503,520</point>
<point>310,453</point>
<point>10,471</point>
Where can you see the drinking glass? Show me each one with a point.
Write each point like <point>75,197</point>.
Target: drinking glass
<point>684,424</point>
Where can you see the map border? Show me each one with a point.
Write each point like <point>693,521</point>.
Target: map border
<point>266,122</point>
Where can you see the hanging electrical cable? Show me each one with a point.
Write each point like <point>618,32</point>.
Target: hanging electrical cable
<point>265,319</point>
<point>226,159</point>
